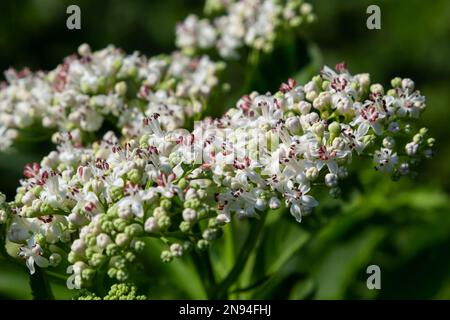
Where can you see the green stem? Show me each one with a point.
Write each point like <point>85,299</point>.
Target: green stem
<point>203,264</point>
<point>40,287</point>
<point>250,242</point>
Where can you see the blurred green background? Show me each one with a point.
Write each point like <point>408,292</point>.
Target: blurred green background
<point>404,227</point>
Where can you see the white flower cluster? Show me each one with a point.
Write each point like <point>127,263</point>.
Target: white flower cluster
<point>246,23</point>
<point>94,206</point>
<point>92,87</point>
<point>271,148</point>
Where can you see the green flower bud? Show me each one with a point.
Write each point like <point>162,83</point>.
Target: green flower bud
<point>134,176</point>
<point>88,274</point>
<point>183,183</point>
<point>202,213</point>
<point>112,212</point>
<point>91,241</point>
<point>121,88</point>
<point>40,239</point>
<point>97,259</point>
<point>318,80</point>
<point>335,130</point>
<point>325,84</point>
<point>212,223</point>
<point>159,212</point>
<point>166,256</point>
<point>391,92</point>
<point>119,262</point>
<point>112,272</point>
<point>72,257</point>
<point>37,191</point>
<point>121,275</point>
<point>202,244</point>
<point>185,226</point>
<point>396,82</point>
<point>368,140</point>
<point>164,222</point>
<point>29,212</point>
<point>122,239</point>
<point>417,138</point>
<point>138,245</point>
<point>108,226</point>
<point>116,193</point>
<point>130,257</point>
<point>120,225</point>
<point>192,203</point>
<point>112,249</point>
<point>423,131</point>
<point>46,208</point>
<point>134,230</point>
<point>90,251</point>
<point>311,95</point>
<point>208,234</point>
<point>165,204</point>
<point>376,88</point>
<point>143,141</point>
<point>431,142</point>
<point>54,259</point>
<point>18,198</point>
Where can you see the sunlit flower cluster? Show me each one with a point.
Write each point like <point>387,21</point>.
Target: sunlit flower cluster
<point>249,23</point>
<point>92,88</point>
<point>93,207</point>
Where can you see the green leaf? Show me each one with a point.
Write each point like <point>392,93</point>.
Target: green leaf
<point>342,262</point>
<point>282,239</point>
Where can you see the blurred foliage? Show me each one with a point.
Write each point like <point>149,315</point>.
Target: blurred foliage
<point>404,227</point>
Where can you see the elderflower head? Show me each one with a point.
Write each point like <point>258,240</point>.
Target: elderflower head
<point>93,86</point>
<point>249,23</point>
<point>102,200</point>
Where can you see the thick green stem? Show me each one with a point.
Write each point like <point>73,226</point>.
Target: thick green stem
<point>250,242</point>
<point>40,287</point>
<point>203,266</point>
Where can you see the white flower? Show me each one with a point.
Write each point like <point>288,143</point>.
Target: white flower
<point>368,117</point>
<point>385,159</point>
<point>300,201</point>
<point>32,253</point>
<point>53,191</point>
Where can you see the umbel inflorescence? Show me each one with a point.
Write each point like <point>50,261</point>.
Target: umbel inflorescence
<point>91,205</point>
<point>102,200</point>
<point>91,88</point>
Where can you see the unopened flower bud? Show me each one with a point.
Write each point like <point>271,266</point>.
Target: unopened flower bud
<point>122,239</point>
<point>151,225</point>
<point>312,173</point>
<point>166,256</point>
<point>189,215</point>
<point>389,142</point>
<point>331,180</point>
<point>121,88</point>
<point>176,250</point>
<point>103,240</point>
<point>304,107</point>
<point>54,259</point>
<point>84,50</point>
<point>274,203</point>
<point>411,148</point>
